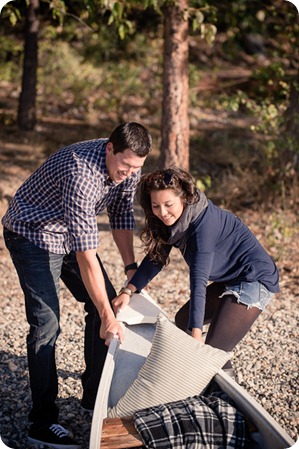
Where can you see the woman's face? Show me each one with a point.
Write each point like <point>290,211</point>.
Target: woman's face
<point>166,206</point>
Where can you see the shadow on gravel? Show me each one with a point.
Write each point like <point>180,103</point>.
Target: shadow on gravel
<point>15,403</point>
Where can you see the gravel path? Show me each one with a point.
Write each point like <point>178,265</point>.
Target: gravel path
<point>266,360</point>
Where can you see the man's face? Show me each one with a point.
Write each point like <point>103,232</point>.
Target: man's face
<point>122,165</point>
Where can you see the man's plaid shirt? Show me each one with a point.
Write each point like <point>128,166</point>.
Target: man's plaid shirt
<point>56,208</point>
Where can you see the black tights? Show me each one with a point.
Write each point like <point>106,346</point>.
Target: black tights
<point>230,320</point>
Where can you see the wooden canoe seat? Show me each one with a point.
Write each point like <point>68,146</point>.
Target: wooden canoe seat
<point>120,433</point>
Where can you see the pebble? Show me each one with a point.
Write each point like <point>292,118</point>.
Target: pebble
<point>266,360</point>
<point>12,366</point>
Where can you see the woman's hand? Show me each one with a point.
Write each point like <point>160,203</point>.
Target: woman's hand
<point>120,302</point>
<point>197,334</point>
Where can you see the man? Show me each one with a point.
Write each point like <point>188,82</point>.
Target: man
<point>50,230</point>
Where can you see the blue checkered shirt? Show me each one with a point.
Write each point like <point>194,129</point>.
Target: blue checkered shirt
<point>57,206</point>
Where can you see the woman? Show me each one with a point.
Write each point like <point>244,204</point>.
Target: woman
<point>217,247</point>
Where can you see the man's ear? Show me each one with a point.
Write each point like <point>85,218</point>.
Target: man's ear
<point>109,148</point>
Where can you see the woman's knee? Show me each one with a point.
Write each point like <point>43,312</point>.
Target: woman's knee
<point>182,317</point>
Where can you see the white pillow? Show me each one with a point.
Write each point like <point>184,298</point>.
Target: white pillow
<point>177,367</point>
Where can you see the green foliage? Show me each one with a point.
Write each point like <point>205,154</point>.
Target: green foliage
<point>271,82</point>
<point>122,14</point>
<point>278,148</point>
<point>58,9</point>
<point>203,183</point>
<point>94,86</point>
<point>268,118</point>
<point>12,13</point>
<point>203,18</point>
<point>10,54</point>
<point>61,73</point>
<point>105,57</point>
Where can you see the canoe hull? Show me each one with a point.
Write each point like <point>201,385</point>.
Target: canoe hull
<point>121,368</point>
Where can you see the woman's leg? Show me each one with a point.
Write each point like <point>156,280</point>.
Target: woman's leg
<point>231,322</point>
<point>214,291</point>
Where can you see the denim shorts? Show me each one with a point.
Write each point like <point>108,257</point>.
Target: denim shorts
<point>252,294</point>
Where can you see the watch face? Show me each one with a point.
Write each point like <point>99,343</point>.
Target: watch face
<point>127,291</point>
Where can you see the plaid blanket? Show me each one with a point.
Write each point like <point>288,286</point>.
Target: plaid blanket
<point>209,422</point>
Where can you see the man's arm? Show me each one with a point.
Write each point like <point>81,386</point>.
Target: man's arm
<point>95,285</point>
<point>124,242</point>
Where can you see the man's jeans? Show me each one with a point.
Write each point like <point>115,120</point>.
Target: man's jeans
<point>39,272</point>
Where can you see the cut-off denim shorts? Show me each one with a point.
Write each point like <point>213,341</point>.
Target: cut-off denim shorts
<point>252,294</point>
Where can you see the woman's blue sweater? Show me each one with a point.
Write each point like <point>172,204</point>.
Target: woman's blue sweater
<point>219,248</point>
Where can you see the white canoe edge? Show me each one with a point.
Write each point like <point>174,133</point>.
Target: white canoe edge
<point>101,404</point>
<point>271,435</point>
<point>122,366</point>
<point>130,357</point>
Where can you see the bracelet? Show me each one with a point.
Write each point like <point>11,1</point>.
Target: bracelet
<point>127,291</point>
<point>131,266</point>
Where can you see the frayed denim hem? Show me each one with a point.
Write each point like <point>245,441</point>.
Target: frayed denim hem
<point>251,294</point>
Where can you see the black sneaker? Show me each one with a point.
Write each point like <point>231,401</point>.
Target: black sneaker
<point>87,405</point>
<point>53,436</point>
<point>87,410</point>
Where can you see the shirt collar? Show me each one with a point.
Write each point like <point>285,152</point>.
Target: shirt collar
<point>103,165</point>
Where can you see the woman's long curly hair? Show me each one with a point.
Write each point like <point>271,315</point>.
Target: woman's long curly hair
<point>155,233</point>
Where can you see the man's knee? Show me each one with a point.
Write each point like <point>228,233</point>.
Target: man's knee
<point>45,332</point>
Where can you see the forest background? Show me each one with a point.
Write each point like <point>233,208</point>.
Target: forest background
<point>89,65</point>
<point>72,70</point>
<point>84,66</point>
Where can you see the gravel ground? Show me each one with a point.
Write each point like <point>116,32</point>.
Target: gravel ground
<point>266,360</point>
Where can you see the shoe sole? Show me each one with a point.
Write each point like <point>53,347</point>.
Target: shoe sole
<point>41,445</point>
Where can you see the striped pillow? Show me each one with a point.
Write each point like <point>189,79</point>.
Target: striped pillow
<point>177,367</point>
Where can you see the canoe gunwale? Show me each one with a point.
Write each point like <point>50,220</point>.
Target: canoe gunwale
<point>269,436</point>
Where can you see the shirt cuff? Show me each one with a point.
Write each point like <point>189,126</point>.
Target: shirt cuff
<point>128,225</point>
<point>85,242</point>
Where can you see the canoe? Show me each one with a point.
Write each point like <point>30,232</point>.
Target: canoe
<point>124,361</point>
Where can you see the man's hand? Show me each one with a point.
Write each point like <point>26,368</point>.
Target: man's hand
<point>120,302</point>
<point>95,285</point>
<point>109,329</point>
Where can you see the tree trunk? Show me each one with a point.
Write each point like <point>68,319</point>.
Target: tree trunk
<point>27,108</point>
<point>175,121</point>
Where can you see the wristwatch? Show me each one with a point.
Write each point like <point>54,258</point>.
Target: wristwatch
<point>126,290</point>
<point>131,266</point>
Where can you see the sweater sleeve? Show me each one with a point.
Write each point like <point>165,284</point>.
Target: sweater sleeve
<point>200,268</point>
<point>201,248</point>
<point>147,270</point>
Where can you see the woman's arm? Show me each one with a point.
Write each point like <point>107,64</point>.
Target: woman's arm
<point>144,274</point>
